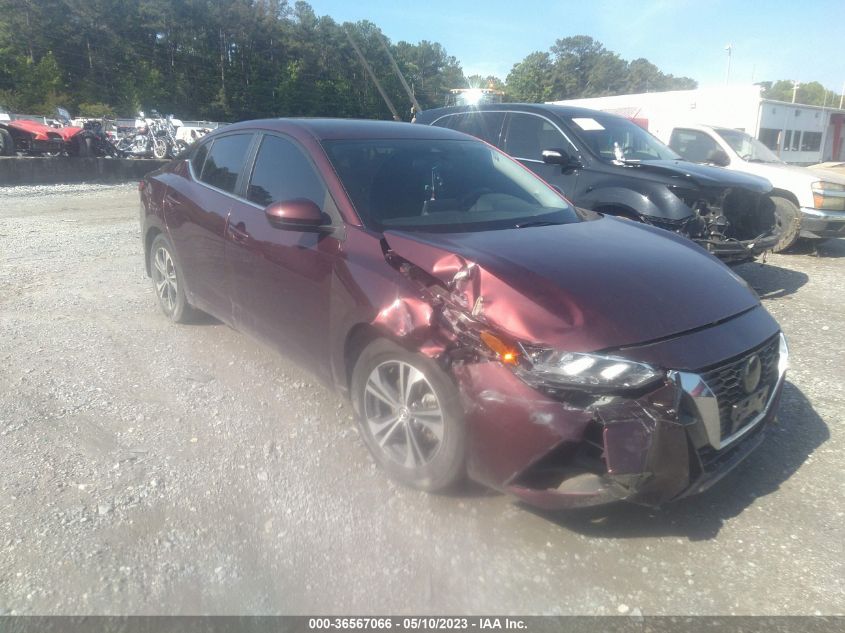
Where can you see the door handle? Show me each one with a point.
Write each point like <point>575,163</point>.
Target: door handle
<point>239,233</point>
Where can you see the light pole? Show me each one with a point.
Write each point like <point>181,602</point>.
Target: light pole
<point>728,48</point>
<point>795,85</point>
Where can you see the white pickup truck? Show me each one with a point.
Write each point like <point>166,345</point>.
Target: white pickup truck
<point>809,203</point>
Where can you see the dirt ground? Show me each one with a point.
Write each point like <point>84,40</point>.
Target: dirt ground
<point>150,468</point>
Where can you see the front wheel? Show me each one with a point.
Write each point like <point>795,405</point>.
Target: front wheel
<point>7,143</point>
<point>160,148</point>
<point>787,223</point>
<point>168,282</point>
<point>410,416</point>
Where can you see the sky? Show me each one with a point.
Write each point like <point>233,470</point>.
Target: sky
<point>776,39</point>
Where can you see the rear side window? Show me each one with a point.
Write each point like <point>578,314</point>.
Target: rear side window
<point>483,125</point>
<point>283,172</point>
<point>198,158</point>
<point>225,161</point>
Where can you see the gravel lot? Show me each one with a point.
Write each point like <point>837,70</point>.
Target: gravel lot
<point>150,468</point>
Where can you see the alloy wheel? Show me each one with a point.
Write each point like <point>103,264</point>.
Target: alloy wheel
<point>403,414</point>
<point>164,278</point>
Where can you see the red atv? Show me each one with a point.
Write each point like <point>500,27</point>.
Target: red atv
<point>37,139</point>
<point>32,137</point>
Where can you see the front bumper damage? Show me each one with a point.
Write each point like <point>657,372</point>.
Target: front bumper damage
<point>562,451</point>
<point>564,448</point>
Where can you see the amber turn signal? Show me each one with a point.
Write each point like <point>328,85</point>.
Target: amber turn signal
<point>506,353</point>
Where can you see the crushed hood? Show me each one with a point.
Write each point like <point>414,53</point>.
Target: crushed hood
<point>585,286</point>
<point>703,175</point>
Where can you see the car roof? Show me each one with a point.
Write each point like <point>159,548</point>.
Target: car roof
<point>536,108</point>
<point>335,129</point>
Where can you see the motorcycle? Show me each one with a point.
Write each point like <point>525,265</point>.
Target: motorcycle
<point>91,140</point>
<point>147,141</point>
<point>169,131</point>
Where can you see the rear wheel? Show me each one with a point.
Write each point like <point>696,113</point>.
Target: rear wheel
<point>84,147</point>
<point>167,281</point>
<point>787,223</point>
<point>7,143</point>
<point>410,416</point>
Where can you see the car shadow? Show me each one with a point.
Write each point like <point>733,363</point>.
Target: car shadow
<point>771,282</point>
<point>799,432</point>
<point>834,247</point>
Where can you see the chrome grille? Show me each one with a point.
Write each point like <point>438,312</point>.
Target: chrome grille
<point>726,383</point>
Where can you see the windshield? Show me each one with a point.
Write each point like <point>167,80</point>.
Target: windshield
<point>747,147</point>
<point>616,139</point>
<point>449,186</point>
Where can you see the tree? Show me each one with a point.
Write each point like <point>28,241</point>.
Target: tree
<point>579,66</point>
<point>531,79</point>
<point>811,93</point>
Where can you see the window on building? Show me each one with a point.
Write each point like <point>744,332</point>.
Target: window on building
<point>796,140</point>
<point>787,140</point>
<point>768,136</point>
<point>811,141</point>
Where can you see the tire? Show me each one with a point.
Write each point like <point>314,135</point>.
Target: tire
<point>427,451</point>
<point>160,148</point>
<point>84,147</point>
<point>181,147</point>
<point>7,143</point>
<point>168,283</point>
<point>787,221</point>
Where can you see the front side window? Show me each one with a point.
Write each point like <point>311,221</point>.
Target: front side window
<point>226,161</point>
<point>282,172</point>
<point>613,138</point>
<point>747,147</point>
<point>529,135</point>
<point>693,145</point>
<point>444,186</point>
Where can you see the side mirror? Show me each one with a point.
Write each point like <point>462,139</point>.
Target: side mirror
<point>718,157</point>
<point>299,214</point>
<point>559,157</point>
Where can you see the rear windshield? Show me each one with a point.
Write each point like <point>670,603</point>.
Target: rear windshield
<point>449,185</point>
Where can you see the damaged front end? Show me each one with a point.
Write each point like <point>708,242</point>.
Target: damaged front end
<point>734,224</point>
<point>568,429</point>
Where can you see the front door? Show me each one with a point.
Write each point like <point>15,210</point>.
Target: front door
<point>281,278</point>
<point>525,138</point>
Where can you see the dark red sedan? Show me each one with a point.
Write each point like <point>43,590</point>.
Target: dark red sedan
<point>479,322</point>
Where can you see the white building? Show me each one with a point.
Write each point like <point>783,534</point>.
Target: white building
<point>800,134</point>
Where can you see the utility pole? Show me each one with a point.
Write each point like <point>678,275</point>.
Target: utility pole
<point>728,48</point>
<point>399,74</point>
<point>841,96</point>
<point>372,75</point>
<point>795,85</point>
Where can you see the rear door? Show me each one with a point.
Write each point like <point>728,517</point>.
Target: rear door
<point>282,278</point>
<point>196,207</point>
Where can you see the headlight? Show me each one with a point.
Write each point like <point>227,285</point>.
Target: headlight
<point>828,195</point>
<point>575,369</point>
